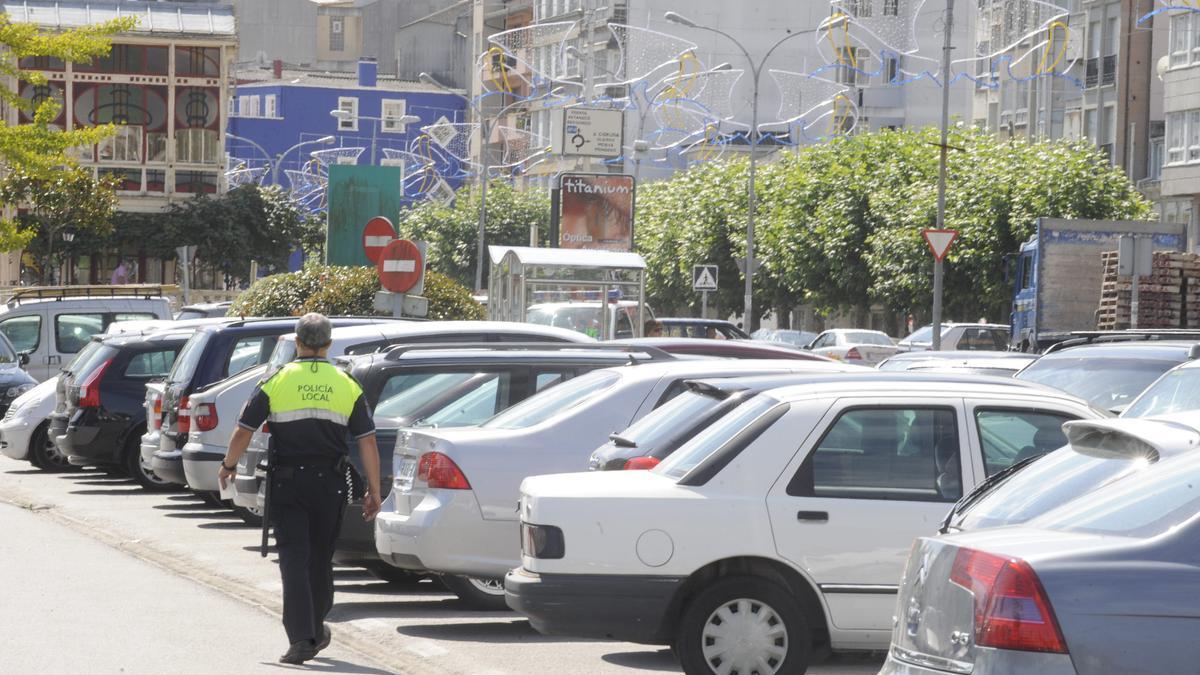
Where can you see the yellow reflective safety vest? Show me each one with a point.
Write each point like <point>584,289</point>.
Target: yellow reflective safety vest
<point>311,389</point>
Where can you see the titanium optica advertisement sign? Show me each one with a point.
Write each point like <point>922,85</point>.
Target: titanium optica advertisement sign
<point>595,211</point>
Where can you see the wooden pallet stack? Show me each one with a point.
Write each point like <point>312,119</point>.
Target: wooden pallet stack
<point>1168,298</point>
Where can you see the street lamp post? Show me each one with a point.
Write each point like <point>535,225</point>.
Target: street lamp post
<point>947,47</point>
<point>756,69</point>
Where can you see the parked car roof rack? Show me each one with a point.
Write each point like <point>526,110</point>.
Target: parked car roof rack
<point>1084,337</point>
<point>394,352</point>
<point>111,291</point>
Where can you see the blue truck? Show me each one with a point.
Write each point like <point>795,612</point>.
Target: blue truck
<point>1058,274</point>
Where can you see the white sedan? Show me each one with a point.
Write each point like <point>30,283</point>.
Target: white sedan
<point>860,347</point>
<point>784,524</point>
<point>23,430</point>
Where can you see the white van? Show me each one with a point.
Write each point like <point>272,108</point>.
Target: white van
<point>47,326</point>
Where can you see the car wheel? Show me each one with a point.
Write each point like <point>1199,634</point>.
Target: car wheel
<point>44,454</point>
<point>477,593</point>
<point>250,516</point>
<point>743,625</point>
<point>139,470</point>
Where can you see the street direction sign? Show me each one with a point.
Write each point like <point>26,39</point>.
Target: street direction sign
<point>939,242</point>
<point>401,266</point>
<point>704,277</point>
<point>377,234</point>
<point>588,132</point>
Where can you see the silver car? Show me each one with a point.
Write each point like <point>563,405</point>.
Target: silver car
<point>1103,584</point>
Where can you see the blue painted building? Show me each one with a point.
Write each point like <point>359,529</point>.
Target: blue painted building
<point>274,109</point>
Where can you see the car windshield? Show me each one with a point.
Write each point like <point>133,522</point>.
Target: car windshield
<point>669,420</point>
<point>961,370</point>
<point>1177,391</point>
<point>189,358</point>
<point>1051,481</point>
<point>1144,505</point>
<point>692,453</point>
<point>1106,382</point>
<point>554,401</point>
<point>863,337</point>
<point>581,318</point>
<point>284,352</point>
<point>925,334</point>
<point>186,314</point>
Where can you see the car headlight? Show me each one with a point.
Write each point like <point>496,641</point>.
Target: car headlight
<point>16,391</point>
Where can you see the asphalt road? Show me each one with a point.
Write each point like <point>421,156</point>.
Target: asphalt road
<point>100,576</point>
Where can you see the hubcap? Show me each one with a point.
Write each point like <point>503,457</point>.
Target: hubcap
<point>54,456</point>
<point>489,586</point>
<point>744,637</point>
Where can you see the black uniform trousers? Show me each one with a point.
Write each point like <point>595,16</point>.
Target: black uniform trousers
<point>306,511</point>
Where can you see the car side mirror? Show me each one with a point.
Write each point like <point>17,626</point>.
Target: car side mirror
<point>23,359</point>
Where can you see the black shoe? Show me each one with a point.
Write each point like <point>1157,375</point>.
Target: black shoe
<point>299,652</point>
<point>325,638</point>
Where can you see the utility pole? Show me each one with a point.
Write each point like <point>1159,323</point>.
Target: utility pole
<point>941,194</point>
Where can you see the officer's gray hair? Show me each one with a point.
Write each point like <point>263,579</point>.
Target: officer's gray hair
<point>314,330</point>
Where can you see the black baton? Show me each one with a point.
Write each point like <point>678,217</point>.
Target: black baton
<point>266,510</point>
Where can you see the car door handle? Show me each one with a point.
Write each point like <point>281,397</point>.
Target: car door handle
<point>814,516</point>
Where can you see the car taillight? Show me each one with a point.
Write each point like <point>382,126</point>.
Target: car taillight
<point>641,463</point>
<point>206,417</point>
<point>157,403</point>
<point>184,416</point>
<point>89,391</point>
<point>439,471</point>
<point>853,353</point>
<point>1011,607</point>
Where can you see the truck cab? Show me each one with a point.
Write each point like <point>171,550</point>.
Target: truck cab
<point>1024,300</point>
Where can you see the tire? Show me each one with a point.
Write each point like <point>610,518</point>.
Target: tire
<point>251,517</point>
<point>482,594</point>
<point>44,454</point>
<point>211,498</point>
<point>768,625</point>
<point>131,459</point>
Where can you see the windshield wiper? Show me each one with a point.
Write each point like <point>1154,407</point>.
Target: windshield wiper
<point>983,488</point>
<point>621,442</point>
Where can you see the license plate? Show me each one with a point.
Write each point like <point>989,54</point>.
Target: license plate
<point>405,474</point>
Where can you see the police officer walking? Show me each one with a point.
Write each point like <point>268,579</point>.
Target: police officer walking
<point>310,405</point>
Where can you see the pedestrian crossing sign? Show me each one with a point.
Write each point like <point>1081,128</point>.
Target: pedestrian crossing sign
<point>704,277</point>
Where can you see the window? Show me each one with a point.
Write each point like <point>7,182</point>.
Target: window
<point>1181,39</point>
<point>549,379</point>
<point>719,435</point>
<point>196,146</point>
<point>1011,436</point>
<point>24,332</point>
<point>349,105</point>
<point>391,111</point>
<point>270,106</point>
<point>198,61</point>
<point>1089,124</point>
<point>1193,136</point>
<point>249,352</point>
<point>482,396</point>
<point>854,62</point>
<point>123,146</point>
<point>1026,271</point>
<point>554,402</point>
<point>892,69</point>
<point>1176,137</point>
<point>337,34</point>
<point>908,454</point>
<point>149,365</point>
<point>73,331</point>
<point>248,106</point>
<point>891,7</point>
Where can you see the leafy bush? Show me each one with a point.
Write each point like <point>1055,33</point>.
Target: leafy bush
<point>337,290</point>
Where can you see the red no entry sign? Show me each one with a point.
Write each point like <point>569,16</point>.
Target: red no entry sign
<point>376,235</point>
<point>400,266</point>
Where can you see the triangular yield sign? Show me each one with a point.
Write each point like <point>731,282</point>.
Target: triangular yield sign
<point>939,242</point>
<point>705,280</point>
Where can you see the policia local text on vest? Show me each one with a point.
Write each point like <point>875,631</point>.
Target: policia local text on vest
<point>311,406</point>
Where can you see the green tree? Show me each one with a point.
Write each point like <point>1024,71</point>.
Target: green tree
<point>36,149</point>
<point>55,202</point>
<point>451,231</point>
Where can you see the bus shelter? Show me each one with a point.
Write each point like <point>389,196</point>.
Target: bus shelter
<point>599,293</point>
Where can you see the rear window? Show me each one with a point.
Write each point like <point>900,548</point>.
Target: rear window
<point>283,354</point>
<point>148,365</point>
<point>1105,382</point>
<point>190,314</point>
<point>668,421</point>
<point>554,401</point>
<point>189,358</point>
<point>1177,391</point>
<point>866,338</point>
<point>1145,505</point>
<point>94,358</point>
<point>712,439</point>
<point>83,356</point>
<point>1047,483</point>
